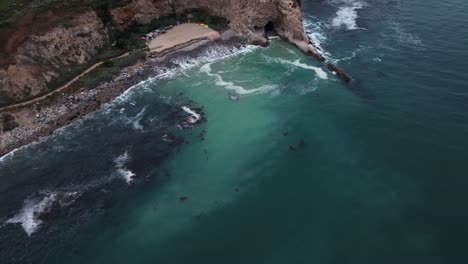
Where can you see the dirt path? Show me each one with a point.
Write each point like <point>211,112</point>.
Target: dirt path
<point>61,88</point>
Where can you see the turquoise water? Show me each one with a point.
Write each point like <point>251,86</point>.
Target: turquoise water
<point>302,169</point>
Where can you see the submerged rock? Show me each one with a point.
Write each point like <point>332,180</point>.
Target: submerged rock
<point>341,74</point>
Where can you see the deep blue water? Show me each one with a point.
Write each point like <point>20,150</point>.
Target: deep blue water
<point>302,169</point>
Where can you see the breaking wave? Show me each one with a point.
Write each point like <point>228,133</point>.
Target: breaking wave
<point>194,117</point>
<point>233,87</point>
<point>185,63</point>
<point>347,14</point>
<point>30,215</point>
<point>297,63</point>
<point>316,30</point>
<point>135,121</point>
<point>121,169</point>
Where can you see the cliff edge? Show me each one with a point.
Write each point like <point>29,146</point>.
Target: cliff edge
<point>249,18</point>
<point>39,54</point>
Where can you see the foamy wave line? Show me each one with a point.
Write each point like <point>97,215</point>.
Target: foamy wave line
<point>316,32</point>
<point>135,121</point>
<point>10,155</point>
<point>186,63</point>
<point>231,86</point>
<point>297,63</point>
<point>194,117</point>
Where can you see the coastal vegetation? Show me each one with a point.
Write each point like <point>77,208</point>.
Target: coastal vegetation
<point>7,122</point>
<point>107,70</point>
<point>19,18</point>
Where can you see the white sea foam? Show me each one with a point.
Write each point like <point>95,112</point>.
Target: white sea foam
<point>194,117</point>
<point>319,71</point>
<point>347,13</point>
<point>233,87</point>
<point>122,171</point>
<point>297,63</point>
<point>404,37</point>
<point>136,120</point>
<point>352,56</point>
<point>10,155</point>
<point>186,63</point>
<point>316,31</point>
<point>28,215</point>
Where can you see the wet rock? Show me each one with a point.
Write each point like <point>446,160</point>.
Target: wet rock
<point>301,143</point>
<point>169,138</point>
<point>339,73</point>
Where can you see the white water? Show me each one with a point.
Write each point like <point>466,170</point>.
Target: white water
<point>233,87</point>
<point>194,117</point>
<point>347,14</point>
<point>319,71</point>
<point>316,31</point>
<point>136,120</point>
<point>186,63</point>
<point>297,63</point>
<point>120,165</point>
<point>27,216</point>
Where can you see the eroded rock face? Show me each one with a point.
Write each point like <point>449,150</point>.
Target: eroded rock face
<point>247,17</point>
<point>44,57</point>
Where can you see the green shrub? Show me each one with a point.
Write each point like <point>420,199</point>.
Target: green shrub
<point>107,64</point>
<point>67,23</point>
<point>8,122</point>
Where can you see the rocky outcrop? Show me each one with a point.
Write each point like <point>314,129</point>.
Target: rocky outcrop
<point>247,17</point>
<point>44,57</point>
<point>341,74</point>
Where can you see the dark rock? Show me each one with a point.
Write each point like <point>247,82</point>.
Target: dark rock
<point>341,74</point>
<point>301,143</point>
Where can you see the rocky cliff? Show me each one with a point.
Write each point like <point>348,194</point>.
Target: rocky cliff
<point>46,55</point>
<point>247,17</point>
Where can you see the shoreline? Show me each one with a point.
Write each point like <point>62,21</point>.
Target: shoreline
<point>43,121</point>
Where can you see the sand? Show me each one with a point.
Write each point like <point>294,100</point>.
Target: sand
<point>181,35</point>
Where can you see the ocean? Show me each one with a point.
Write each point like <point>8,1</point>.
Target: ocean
<point>261,155</point>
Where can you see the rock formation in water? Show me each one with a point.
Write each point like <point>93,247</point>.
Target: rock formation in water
<point>34,55</point>
<point>247,17</point>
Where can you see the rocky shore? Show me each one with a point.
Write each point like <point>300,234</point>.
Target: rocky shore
<point>248,23</point>
<point>40,121</point>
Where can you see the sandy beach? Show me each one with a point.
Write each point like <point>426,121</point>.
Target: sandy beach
<point>38,120</point>
<point>181,35</point>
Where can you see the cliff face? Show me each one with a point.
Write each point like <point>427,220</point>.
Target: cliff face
<point>247,17</point>
<point>43,57</point>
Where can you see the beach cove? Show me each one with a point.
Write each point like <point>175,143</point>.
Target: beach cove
<point>246,154</point>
